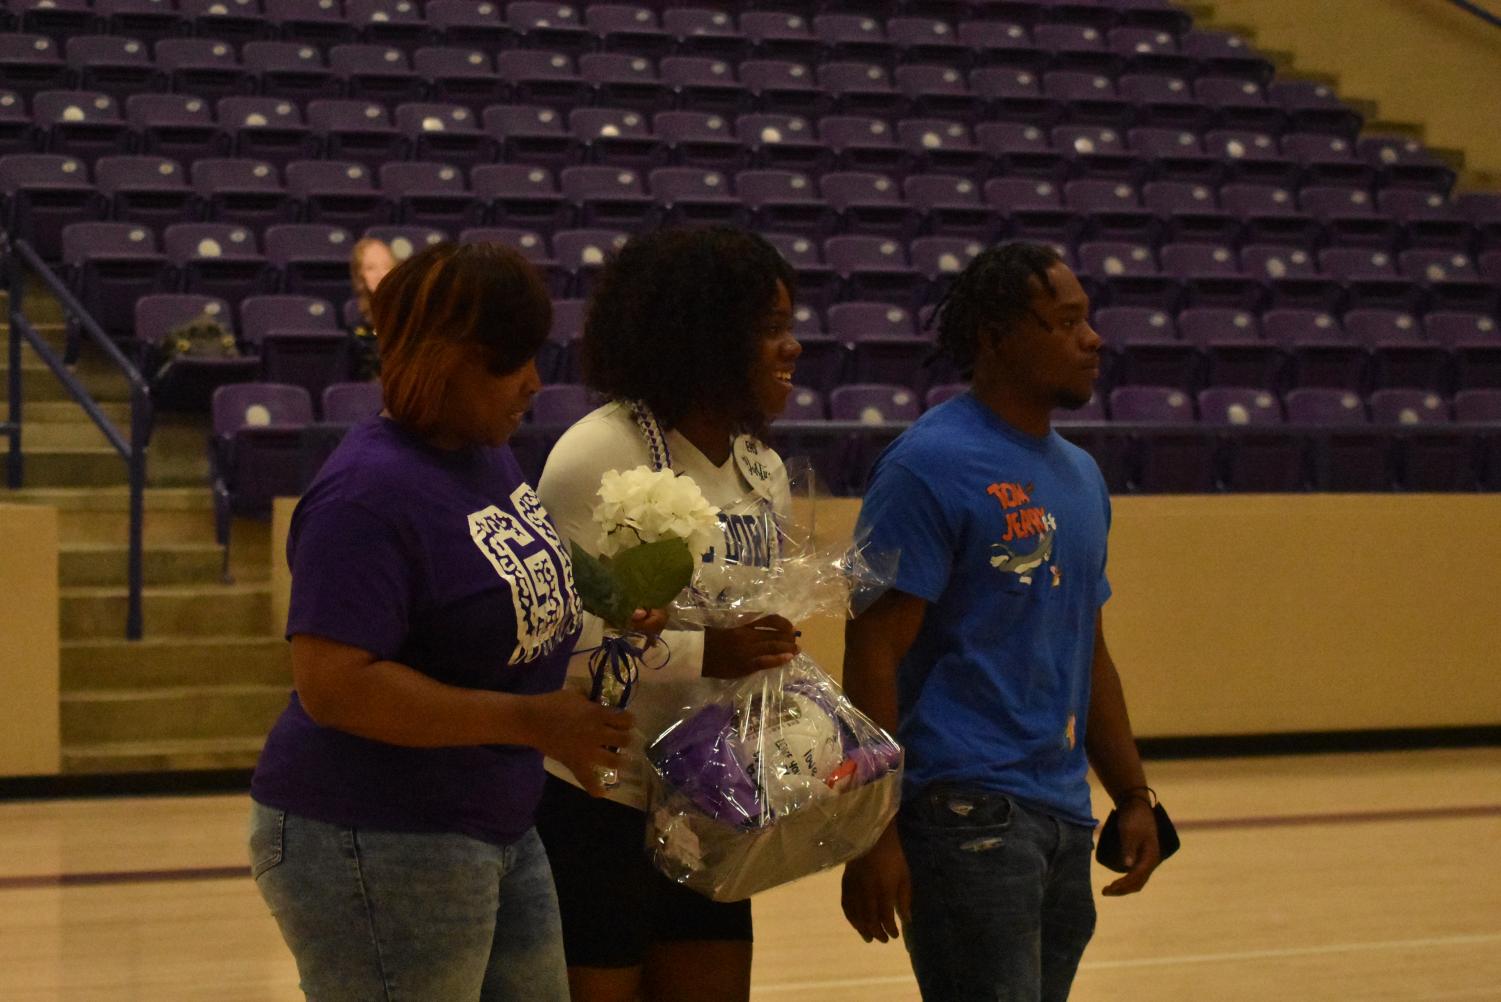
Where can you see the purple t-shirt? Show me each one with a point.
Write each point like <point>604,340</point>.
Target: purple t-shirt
<point>445,562</point>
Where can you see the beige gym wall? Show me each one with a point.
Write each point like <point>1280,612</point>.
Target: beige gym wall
<point>30,742</point>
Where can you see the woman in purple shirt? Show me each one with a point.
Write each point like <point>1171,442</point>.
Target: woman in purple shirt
<point>431,621</point>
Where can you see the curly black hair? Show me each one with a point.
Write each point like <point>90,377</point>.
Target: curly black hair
<point>675,319</point>
<point>991,295</point>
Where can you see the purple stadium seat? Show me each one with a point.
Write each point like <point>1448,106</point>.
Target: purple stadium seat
<point>817,284</point>
<point>1327,159</point>
<point>1151,50</point>
<point>805,405</point>
<point>1129,274</point>
<point>1483,209</point>
<point>937,91</point>
<point>704,33</point>
<point>406,240</point>
<point>939,259</point>
<point>255,451</point>
<point>242,191</point>
<point>449,133</point>
<point>266,128</point>
<point>549,26</point>
<point>338,193</point>
<point>1451,280</point>
<point>58,18</point>
<point>927,40</point>
<point>869,204</point>
<point>1271,214</point>
<point>1142,348</point>
<point>259,315</point>
<point>1165,460</point>
<point>1400,356</point>
<point>1032,209</point>
<point>1187,211</point>
<point>44,192</point>
<point>582,253</point>
<point>627,28</point>
<point>1370,278</point>
<point>533,245</point>
<point>862,88</point>
<point>17,135</point>
<point>688,195</point>
<point>463,76</point>
<point>217,259</point>
<point>1292,276</point>
<point>1428,218</point>
<point>1225,54</point>
<point>1349,216</point>
<point>532,135</point>
<point>625,81</point>
<point>350,403</point>
<point>783,87</point>
<point>1314,107</point>
<point>1252,157</point>
<point>147,20</point>
<point>313,258</point>
<point>950,204</point>
<point>293,71</point>
<point>1021,150</point>
<point>608,197</point>
<point>940,145</point>
<point>179,126</point>
<point>356,130</point>
<point>784,142</point>
<point>376,73</point>
<point>785,201</point>
<point>1240,104</point>
<point>191,380</point>
<point>83,124</point>
<point>853,37</point>
<point>522,196</point>
<point>1349,455</point>
<point>468,22</point>
<point>1483,406</point>
<point>148,190</point>
<point>874,405</point>
<point>313,22</point>
<point>863,143</point>
<point>1089,98</point>
<point>1112,209</point>
<point>874,268</point>
<point>1405,163</point>
<point>1077,47</point>
<point>1210,274</point>
<point>111,265</point>
<point>705,84</point>
<point>1001,44</point>
<point>1165,102</point>
<point>1176,155</point>
<point>1098,151</point>
<point>700,139</point>
<point>1455,329</point>
<point>1429,455</point>
<point>1014,95</point>
<point>112,65</point>
<point>206,67</point>
<point>388,22</point>
<point>431,192</point>
<point>780,35</point>
<point>1231,344</point>
<point>1321,354</point>
<point>1270,458</point>
<point>885,348</point>
<point>544,78</point>
<point>230,21</point>
<point>617,137</point>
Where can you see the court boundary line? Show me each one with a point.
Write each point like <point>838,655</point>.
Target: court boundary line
<point>100,878</point>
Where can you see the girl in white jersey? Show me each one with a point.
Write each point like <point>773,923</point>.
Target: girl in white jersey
<point>689,337</point>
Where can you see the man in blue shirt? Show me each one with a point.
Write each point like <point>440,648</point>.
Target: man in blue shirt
<point>988,657</point>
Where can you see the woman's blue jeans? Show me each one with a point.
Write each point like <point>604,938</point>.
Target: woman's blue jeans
<point>375,916</point>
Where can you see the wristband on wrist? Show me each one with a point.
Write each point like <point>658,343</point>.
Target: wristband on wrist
<point>1145,794</point>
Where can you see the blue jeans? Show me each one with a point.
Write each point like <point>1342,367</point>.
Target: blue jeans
<point>1002,906</point>
<point>377,916</point>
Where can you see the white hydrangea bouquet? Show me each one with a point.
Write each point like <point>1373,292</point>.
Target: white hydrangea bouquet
<point>653,524</point>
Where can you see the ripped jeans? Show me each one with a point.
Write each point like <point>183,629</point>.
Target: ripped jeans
<point>1002,906</point>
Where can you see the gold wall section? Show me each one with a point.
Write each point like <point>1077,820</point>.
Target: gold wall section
<point>29,647</point>
<point>1422,61</point>
<point>1249,614</point>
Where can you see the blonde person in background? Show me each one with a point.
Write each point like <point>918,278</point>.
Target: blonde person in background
<point>369,261</point>
<point>689,337</point>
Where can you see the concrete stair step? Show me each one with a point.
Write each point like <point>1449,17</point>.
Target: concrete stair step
<point>112,663</point>
<point>162,756</point>
<point>80,433</point>
<point>78,466</point>
<point>180,610</point>
<point>69,411</point>
<point>173,515</point>
<point>95,716</point>
<point>105,564</point>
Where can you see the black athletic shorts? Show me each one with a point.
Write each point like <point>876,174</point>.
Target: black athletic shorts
<point>615,904</point>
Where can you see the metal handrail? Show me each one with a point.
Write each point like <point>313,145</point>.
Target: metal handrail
<point>1478,11</point>
<point>18,257</point>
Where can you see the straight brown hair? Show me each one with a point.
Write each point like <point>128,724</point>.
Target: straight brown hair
<point>452,305</point>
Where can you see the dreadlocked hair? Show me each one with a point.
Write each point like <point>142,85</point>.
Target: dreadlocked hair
<point>990,295</point>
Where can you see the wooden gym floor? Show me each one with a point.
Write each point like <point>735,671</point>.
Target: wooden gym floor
<point>1349,877</point>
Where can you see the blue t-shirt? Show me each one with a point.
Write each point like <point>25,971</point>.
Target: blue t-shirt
<point>446,562</point>
<point>1003,535</point>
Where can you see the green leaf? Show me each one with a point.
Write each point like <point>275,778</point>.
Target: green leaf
<point>599,588</point>
<point>651,575</point>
